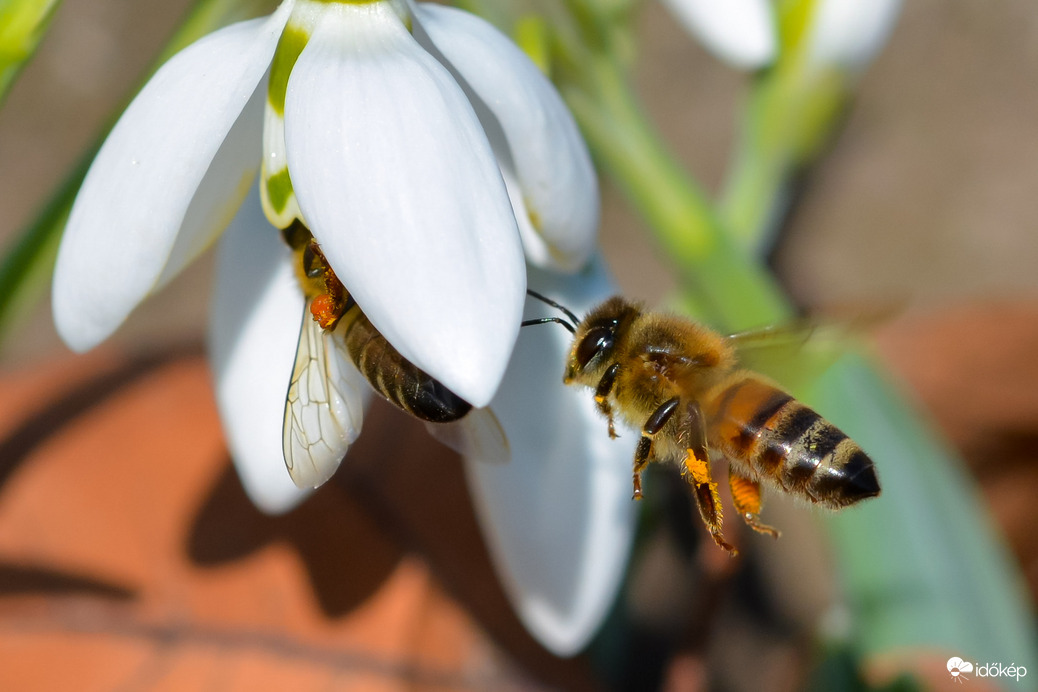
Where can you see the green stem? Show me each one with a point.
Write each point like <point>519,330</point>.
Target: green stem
<point>26,267</point>
<point>794,109</point>
<point>735,292</point>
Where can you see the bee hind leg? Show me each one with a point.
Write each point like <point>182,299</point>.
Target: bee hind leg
<point>746,496</point>
<point>696,471</point>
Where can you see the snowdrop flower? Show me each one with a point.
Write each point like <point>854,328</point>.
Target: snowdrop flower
<point>559,518</point>
<point>843,33</point>
<point>429,158</point>
<point>414,141</point>
<point>740,32</point>
<point>849,33</point>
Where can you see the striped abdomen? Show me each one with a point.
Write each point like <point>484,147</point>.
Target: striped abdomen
<point>781,439</point>
<point>394,377</point>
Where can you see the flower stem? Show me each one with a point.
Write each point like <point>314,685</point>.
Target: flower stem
<point>792,112</point>
<point>734,291</point>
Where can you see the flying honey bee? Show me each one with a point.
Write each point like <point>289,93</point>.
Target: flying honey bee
<point>681,384</point>
<point>334,333</point>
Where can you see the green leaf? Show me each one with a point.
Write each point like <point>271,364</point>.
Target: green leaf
<point>22,24</point>
<point>922,565</point>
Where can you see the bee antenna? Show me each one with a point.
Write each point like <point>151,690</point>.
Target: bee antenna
<point>545,320</point>
<point>534,294</point>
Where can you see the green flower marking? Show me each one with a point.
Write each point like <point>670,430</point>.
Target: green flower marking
<point>279,189</point>
<point>291,44</point>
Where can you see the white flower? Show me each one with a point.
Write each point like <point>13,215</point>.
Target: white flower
<point>849,33</point>
<point>740,32</point>
<point>744,33</point>
<point>418,158</point>
<point>392,147</point>
<point>558,518</point>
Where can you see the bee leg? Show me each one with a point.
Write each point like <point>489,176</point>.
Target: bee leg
<point>605,386</point>
<point>746,495</point>
<point>643,454</point>
<point>696,471</point>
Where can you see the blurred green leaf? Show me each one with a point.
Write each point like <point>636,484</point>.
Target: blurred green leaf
<point>22,24</point>
<point>922,565</point>
<point>838,668</point>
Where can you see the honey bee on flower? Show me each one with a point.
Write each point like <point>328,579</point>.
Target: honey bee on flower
<point>430,160</point>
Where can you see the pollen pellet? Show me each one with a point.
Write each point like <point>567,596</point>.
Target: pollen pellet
<point>324,310</point>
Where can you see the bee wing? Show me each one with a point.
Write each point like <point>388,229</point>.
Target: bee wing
<point>324,406</point>
<point>479,436</point>
<point>800,351</point>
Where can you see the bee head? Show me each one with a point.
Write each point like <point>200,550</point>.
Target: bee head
<point>595,340</point>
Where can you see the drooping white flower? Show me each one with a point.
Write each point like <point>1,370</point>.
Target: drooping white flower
<point>558,517</point>
<point>849,33</point>
<point>419,148</point>
<point>378,145</point>
<point>740,32</point>
<point>846,34</point>
<point>391,146</point>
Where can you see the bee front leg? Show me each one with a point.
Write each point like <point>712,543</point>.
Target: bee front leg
<point>643,454</point>
<point>746,495</point>
<point>696,471</point>
<point>602,391</point>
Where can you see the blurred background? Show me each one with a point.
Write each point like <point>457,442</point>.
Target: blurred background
<point>926,201</point>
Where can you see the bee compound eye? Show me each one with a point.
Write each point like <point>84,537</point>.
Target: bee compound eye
<point>311,265</point>
<point>596,340</point>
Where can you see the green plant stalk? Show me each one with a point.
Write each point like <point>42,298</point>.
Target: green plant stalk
<point>28,263</point>
<point>23,23</point>
<point>27,266</point>
<point>790,116</point>
<point>795,107</point>
<point>900,555</point>
<point>730,292</point>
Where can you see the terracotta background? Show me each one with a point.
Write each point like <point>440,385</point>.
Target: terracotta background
<point>130,559</point>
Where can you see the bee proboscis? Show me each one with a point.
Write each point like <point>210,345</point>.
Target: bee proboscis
<point>681,384</point>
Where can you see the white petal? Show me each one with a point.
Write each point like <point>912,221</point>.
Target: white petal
<point>849,33</point>
<point>399,185</point>
<point>122,241</point>
<point>740,32</point>
<point>558,518</point>
<point>284,210</point>
<point>254,328</point>
<point>532,131</point>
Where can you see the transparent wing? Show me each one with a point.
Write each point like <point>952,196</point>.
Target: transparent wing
<point>797,353</point>
<point>324,406</point>
<point>478,435</point>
